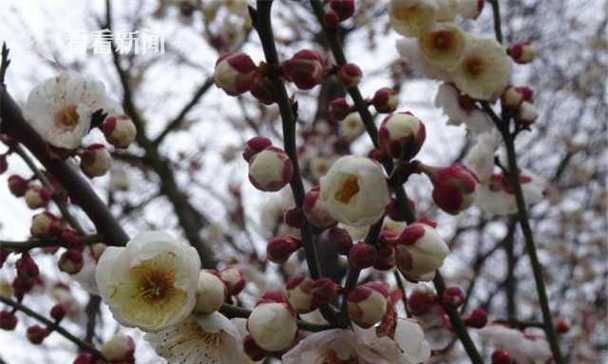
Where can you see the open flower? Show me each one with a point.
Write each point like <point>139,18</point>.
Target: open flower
<point>60,108</point>
<point>485,70</point>
<point>355,191</point>
<point>362,346</point>
<point>410,52</point>
<point>200,339</point>
<point>497,196</point>
<point>443,45</point>
<point>461,109</point>
<point>412,17</point>
<point>151,283</point>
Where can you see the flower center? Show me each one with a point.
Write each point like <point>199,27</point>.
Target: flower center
<point>474,66</point>
<point>67,118</point>
<point>331,357</point>
<point>349,188</point>
<point>154,285</point>
<point>442,40</point>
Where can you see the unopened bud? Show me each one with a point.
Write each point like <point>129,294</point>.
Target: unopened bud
<point>300,294</point>
<point>234,280</point>
<point>8,320</point>
<point>280,248</point>
<point>58,312</point>
<point>37,196</point>
<point>527,114</point>
<point>350,75</point>
<point>453,297</point>
<point>315,210</point>
<point>254,146</point>
<point>95,160</point>
<point>234,73</point>
<point>45,224</point>
<point>324,291</point>
<point>401,135</point>
<point>71,261</point>
<point>263,90</point>
<point>273,326</point>
<point>522,52</point>
<point>270,170</point>
<point>27,267</point>
<point>478,318</point>
<point>342,240</point>
<point>339,108</point>
<point>17,185</point>
<point>501,357</point>
<point>421,300</point>
<point>306,69</point>
<point>362,255</point>
<point>36,334</point>
<point>120,131</point>
<point>210,294</point>
<point>453,187</point>
<point>385,100</point>
<point>420,251</point>
<point>386,259</point>
<point>367,303</point>
<point>118,348</point>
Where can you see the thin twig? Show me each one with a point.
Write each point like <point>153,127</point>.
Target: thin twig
<point>52,326</point>
<point>45,243</point>
<point>232,311</point>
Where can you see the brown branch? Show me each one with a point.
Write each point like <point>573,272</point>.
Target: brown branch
<point>45,243</point>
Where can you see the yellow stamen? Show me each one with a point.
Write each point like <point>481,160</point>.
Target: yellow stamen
<point>349,188</point>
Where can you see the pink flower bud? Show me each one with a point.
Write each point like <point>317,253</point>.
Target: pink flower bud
<point>385,100</point>
<point>120,131</point>
<point>454,188</point>
<point>300,294</point>
<point>26,266</point>
<point>36,334</point>
<point>263,90</point>
<point>386,259</point>
<point>234,280</point>
<point>71,238</point>
<point>478,318</point>
<point>270,170</point>
<point>330,19</point>
<point>512,98</point>
<point>8,320</point>
<point>344,8</point>
<point>253,351</point>
<point>45,224</point>
<point>294,218</point>
<point>526,92</point>
<point>501,357</point>
<point>401,135</point>
<point>522,52</point>
<point>280,248</point>
<point>306,69</point>
<point>254,146</point>
<point>350,75</point>
<point>324,291</point>
<point>420,251</point>
<point>561,326</point>
<point>120,348</point>
<point>316,211</point>
<point>341,239</point>
<point>71,261</point>
<point>339,108</point>
<point>234,73</point>
<point>273,297</point>
<point>37,196</point>
<point>367,303</point>
<point>17,185</point>
<point>210,293</point>
<point>22,285</point>
<point>362,255</point>
<point>84,358</point>
<point>273,326</point>
<point>95,160</point>
<point>453,297</point>
<point>421,300</point>
<point>58,312</point>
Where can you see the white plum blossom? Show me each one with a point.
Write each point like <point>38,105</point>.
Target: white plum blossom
<point>460,110</point>
<point>60,108</point>
<point>522,347</point>
<point>355,191</point>
<point>351,127</point>
<point>485,70</point>
<point>412,17</point>
<point>209,339</point>
<point>151,283</point>
<point>273,326</point>
<point>420,251</point>
<point>362,346</point>
<point>409,50</point>
<point>497,196</point>
<point>210,294</point>
<point>443,45</point>
<point>86,276</point>
<point>446,10</point>
<point>480,158</point>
